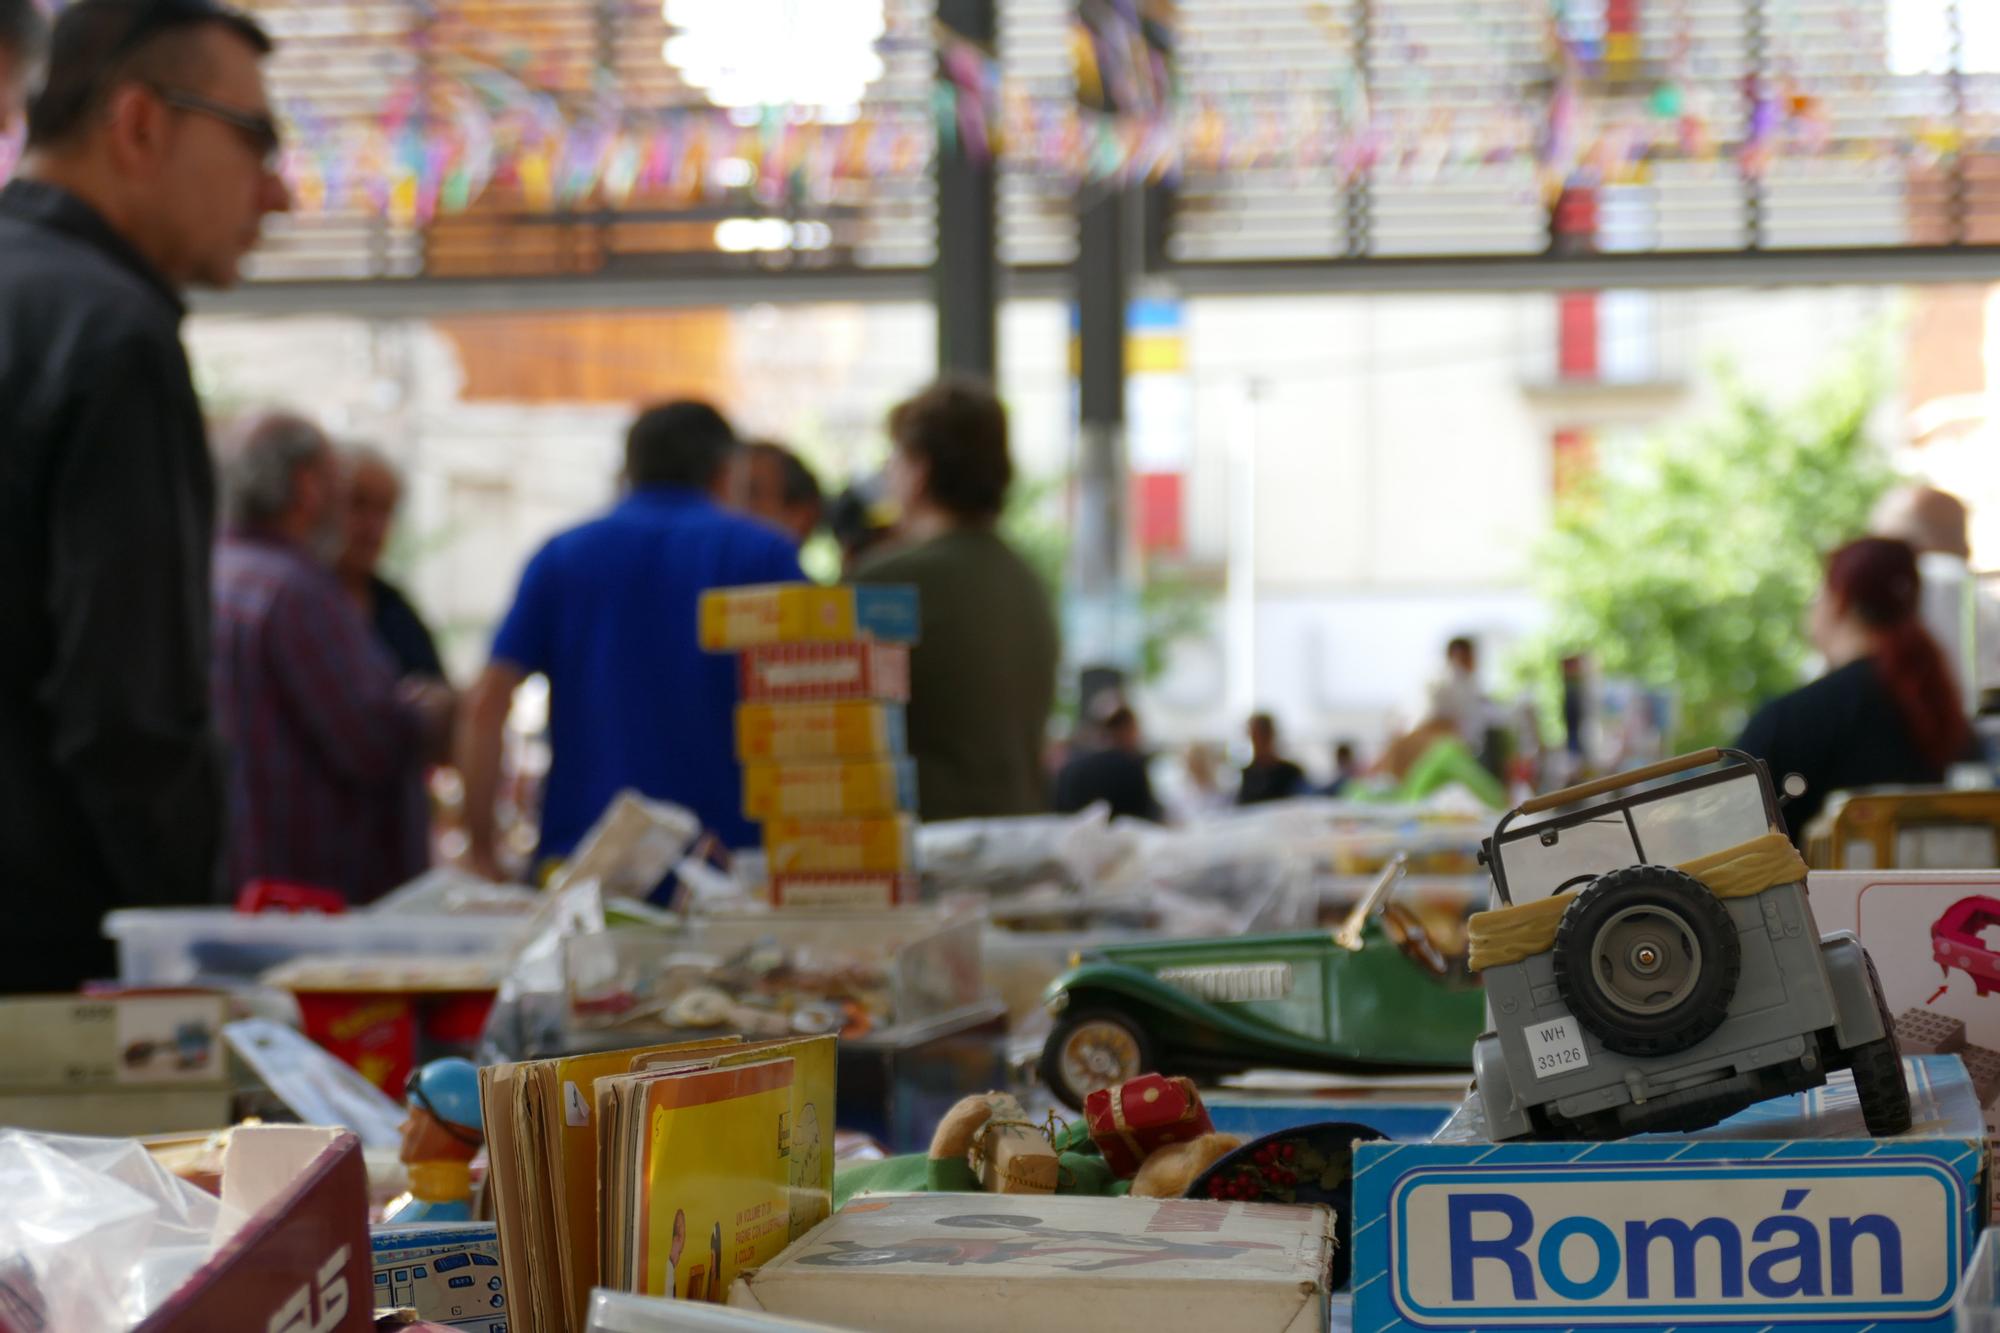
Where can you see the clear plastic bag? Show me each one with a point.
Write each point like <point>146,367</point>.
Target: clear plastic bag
<point>95,1234</point>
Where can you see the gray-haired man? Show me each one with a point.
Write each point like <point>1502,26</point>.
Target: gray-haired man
<point>323,739</point>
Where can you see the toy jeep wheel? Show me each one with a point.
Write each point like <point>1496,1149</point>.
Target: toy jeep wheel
<point>1878,1071</point>
<point>1091,1050</point>
<point>1647,959</point>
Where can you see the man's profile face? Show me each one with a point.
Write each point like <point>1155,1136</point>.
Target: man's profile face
<point>212,187</point>
<point>372,496</point>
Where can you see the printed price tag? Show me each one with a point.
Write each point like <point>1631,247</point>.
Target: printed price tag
<point>1556,1047</point>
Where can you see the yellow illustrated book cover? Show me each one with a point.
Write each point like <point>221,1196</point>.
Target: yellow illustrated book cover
<point>714,1177</point>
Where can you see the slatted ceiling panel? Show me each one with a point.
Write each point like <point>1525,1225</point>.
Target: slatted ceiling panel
<point>336,67</point>
<point>1441,71</point>
<point>550,45</point>
<point>1852,189</point>
<point>1683,206</point>
<point>883,221</point>
<point>895,213</point>
<point>1037,206</point>
<point>1982,166</point>
<point>1285,59</point>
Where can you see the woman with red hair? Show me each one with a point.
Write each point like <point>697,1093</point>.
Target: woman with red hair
<point>1887,711</point>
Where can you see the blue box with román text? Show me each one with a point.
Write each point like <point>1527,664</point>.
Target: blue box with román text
<point>1787,1216</point>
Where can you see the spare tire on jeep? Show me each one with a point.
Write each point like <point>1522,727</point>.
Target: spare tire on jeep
<point>1647,959</point>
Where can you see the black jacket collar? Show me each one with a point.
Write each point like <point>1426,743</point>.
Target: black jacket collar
<point>43,205</point>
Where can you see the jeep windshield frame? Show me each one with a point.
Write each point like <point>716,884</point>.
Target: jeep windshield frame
<point>1536,859</point>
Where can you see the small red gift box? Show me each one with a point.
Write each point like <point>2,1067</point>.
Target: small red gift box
<point>1131,1120</point>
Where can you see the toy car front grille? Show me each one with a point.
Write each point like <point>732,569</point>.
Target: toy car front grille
<point>1233,982</point>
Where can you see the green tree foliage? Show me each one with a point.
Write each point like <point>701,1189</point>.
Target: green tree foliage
<point>1687,561</point>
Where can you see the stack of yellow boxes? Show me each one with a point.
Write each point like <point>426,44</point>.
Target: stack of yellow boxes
<point>825,673</point>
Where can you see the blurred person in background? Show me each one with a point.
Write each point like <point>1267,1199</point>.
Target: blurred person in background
<point>1887,711</point>
<point>22,34</point>
<point>1346,771</point>
<point>859,523</point>
<point>1269,776</point>
<point>771,483</point>
<point>374,493</point>
<point>1116,772</point>
<point>983,672</point>
<point>1964,621</point>
<point>1456,697</point>
<point>324,742</point>
<point>607,612</point>
<point>149,166</point>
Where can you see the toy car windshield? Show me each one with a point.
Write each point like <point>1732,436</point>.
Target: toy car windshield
<point>1554,842</point>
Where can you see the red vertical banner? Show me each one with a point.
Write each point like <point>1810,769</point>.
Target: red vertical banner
<point>1576,336</point>
<point>1159,502</point>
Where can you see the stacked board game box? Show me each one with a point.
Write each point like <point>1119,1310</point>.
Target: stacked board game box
<point>824,678</point>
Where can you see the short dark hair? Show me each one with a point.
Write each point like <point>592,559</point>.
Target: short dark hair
<point>957,428</point>
<point>1461,644</point>
<point>1264,722</point>
<point>22,28</point>
<point>100,45</point>
<point>683,443</point>
<point>852,519</point>
<point>798,486</point>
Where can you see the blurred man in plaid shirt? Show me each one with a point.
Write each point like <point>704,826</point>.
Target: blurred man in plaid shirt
<point>323,738</point>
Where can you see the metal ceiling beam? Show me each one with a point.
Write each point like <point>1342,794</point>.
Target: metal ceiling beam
<point>420,297</point>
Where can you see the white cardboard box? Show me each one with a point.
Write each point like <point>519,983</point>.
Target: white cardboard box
<point>1900,915</point>
<point>914,1263</point>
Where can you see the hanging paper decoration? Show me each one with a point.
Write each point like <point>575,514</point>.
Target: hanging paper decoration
<point>1621,97</point>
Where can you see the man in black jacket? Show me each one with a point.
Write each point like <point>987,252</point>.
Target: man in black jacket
<point>150,166</point>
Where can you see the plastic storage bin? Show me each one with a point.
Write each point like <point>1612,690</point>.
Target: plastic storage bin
<point>911,965</point>
<point>208,946</point>
<point>1976,1309</point>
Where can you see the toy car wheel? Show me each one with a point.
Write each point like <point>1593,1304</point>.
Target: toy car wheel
<point>1878,1070</point>
<point>1092,1050</point>
<point>1647,959</point>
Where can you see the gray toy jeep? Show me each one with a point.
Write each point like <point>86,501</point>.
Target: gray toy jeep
<point>1664,998</point>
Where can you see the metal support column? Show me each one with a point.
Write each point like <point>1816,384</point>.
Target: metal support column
<point>966,272</point>
<point>1100,567</point>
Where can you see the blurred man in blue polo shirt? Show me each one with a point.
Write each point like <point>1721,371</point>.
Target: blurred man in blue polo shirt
<point>608,613</point>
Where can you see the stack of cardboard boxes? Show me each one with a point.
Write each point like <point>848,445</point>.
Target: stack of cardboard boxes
<point>825,673</point>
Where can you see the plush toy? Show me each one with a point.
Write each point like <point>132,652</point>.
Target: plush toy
<point>970,1136</point>
<point>1171,1169</point>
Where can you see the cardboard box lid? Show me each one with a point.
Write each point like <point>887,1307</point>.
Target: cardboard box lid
<point>297,1261</point>
<point>1054,1263</point>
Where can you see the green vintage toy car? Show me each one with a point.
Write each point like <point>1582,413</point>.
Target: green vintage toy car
<point>1374,996</point>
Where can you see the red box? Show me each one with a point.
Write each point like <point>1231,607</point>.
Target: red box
<point>820,672</point>
<point>375,1033</point>
<point>301,1263</point>
<point>1131,1120</point>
